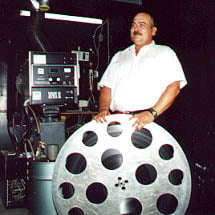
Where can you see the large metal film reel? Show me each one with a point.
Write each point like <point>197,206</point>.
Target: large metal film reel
<point>111,168</point>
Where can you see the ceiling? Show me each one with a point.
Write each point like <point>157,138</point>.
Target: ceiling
<point>93,8</point>
<point>182,24</point>
<point>14,25</point>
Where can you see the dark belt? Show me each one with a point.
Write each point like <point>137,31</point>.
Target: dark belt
<point>129,112</point>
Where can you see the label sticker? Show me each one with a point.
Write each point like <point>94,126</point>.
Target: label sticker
<point>36,95</point>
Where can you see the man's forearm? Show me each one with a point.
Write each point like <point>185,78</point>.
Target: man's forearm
<point>105,98</point>
<point>167,98</point>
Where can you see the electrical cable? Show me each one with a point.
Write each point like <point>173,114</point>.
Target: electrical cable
<point>91,99</point>
<point>108,41</point>
<point>31,148</point>
<point>13,127</point>
<point>35,118</point>
<point>97,47</point>
<point>17,128</point>
<point>20,130</point>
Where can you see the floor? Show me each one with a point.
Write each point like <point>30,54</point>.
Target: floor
<point>15,211</point>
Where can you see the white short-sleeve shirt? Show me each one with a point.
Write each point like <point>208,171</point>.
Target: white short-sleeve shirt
<point>137,81</point>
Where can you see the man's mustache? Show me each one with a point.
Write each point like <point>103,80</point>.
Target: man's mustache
<point>137,33</point>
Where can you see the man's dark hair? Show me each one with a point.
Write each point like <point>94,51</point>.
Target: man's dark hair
<point>152,20</point>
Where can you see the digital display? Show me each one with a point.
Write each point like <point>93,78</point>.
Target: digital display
<point>54,70</point>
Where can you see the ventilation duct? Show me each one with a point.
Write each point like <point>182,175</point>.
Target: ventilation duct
<point>39,43</point>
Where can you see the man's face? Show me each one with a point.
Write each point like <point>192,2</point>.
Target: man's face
<point>142,30</point>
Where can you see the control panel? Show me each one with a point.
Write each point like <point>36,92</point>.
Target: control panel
<point>50,75</point>
<point>53,78</point>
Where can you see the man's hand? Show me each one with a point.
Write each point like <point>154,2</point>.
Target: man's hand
<point>141,119</point>
<point>101,116</point>
<point>104,105</point>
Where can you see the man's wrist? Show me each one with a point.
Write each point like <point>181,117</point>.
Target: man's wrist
<point>103,109</point>
<point>153,112</point>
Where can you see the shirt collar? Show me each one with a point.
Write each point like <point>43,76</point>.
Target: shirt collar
<point>132,47</point>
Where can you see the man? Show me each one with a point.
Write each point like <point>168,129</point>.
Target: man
<point>142,80</point>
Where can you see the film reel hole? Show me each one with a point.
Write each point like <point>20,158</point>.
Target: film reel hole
<point>114,129</point>
<point>146,174</point>
<point>166,152</point>
<point>167,203</point>
<point>176,177</point>
<point>130,206</point>
<point>96,193</point>
<point>112,159</point>
<point>90,138</point>
<point>66,190</point>
<point>141,138</point>
<point>76,211</point>
<point>76,163</point>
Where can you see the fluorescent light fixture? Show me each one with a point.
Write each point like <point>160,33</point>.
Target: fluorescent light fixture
<point>73,18</point>
<point>25,13</point>
<point>66,17</point>
<point>131,1</point>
